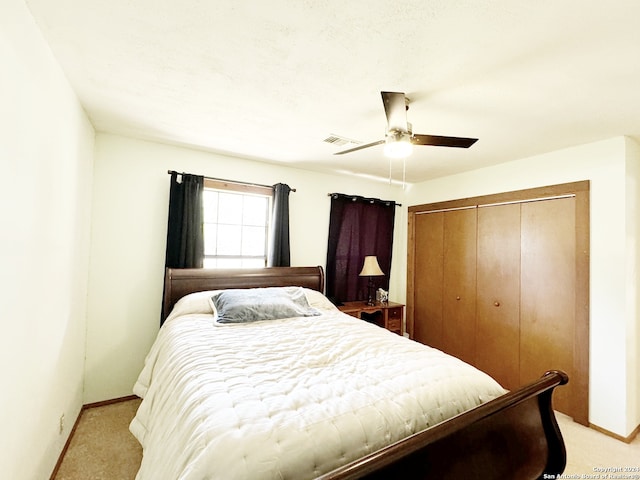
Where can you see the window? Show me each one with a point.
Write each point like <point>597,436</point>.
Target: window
<point>236,225</point>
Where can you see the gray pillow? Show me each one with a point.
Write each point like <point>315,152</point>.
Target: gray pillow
<point>253,304</point>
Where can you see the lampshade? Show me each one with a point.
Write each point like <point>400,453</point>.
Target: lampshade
<point>371,267</point>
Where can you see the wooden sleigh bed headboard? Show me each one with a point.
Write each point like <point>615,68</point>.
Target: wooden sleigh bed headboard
<point>513,436</point>
<point>179,282</point>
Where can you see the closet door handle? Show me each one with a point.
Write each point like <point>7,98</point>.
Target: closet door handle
<point>496,303</point>
<point>458,298</point>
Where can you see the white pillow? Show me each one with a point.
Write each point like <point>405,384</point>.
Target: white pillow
<point>198,302</point>
<point>318,300</point>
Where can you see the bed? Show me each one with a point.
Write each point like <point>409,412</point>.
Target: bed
<point>320,394</point>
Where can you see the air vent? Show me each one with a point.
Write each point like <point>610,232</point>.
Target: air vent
<point>340,141</point>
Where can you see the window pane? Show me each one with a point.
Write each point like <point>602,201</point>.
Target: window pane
<point>210,238</point>
<point>229,239</point>
<point>210,206</point>
<point>230,208</point>
<point>253,241</point>
<point>255,210</point>
<point>253,262</point>
<point>209,263</point>
<point>230,263</point>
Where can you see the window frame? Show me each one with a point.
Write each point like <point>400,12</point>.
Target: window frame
<point>243,189</point>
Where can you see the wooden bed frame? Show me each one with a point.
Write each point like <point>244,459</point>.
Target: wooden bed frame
<point>513,436</point>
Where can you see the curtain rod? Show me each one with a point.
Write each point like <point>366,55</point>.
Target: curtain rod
<point>363,198</point>
<point>230,181</point>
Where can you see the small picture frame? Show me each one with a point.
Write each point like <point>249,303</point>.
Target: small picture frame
<point>382,296</point>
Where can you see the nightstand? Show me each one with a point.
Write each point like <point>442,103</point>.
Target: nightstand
<point>388,315</point>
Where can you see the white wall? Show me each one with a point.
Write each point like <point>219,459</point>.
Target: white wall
<point>613,357</point>
<point>131,195</point>
<point>46,145</point>
<point>633,283</point>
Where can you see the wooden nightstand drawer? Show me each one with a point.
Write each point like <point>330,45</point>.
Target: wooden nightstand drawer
<point>395,313</point>
<point>395,325</point>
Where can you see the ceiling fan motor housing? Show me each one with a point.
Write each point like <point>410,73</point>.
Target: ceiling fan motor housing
<point>399,134</point>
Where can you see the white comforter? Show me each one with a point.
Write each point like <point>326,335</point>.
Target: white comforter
<point>287,399</point>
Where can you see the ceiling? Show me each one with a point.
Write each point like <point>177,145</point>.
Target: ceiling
<point>272,80</point>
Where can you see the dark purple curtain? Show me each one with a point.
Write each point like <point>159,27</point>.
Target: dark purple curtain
<point>358,227</point>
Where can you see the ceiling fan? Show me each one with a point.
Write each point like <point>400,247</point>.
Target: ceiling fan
<point>399,137</point>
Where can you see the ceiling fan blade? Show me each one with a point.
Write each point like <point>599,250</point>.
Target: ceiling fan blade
<point>360,147</point>
<point>395,107</point>
<point>439,141</point>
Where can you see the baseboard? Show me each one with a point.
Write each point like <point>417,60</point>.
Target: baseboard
<point>628,439</point>
<point>109,402</point>
<point>75,425</point>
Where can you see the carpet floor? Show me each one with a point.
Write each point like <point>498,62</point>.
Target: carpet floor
<point>102,448</point>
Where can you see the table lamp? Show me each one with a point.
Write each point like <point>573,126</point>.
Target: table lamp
<point>371,269</point>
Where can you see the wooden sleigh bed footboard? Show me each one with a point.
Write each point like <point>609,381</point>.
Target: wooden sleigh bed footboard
<point>514,436</point>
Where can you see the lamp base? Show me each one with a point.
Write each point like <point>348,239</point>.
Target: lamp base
<point>370,289</point>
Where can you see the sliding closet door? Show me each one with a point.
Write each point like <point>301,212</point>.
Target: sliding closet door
<point>549,293</point>
<point>498,300</point>
<point>444,283</point>
<point>459,291</point>
<point>428,261</point>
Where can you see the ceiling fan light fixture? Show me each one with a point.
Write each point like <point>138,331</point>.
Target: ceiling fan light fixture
<point>398,148</point>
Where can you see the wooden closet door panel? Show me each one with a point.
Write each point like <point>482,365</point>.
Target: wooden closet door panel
<point>548,282</point>
<point>459,304</point>
<point>498,299</point>
<point>428,275</point>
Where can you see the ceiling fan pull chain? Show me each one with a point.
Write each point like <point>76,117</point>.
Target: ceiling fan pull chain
<point>404,172</point>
